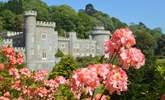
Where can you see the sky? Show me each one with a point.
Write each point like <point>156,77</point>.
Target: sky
<point>150,12</point>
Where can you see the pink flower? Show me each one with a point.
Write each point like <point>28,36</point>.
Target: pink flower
<point>12,60</point>
<point>131,57</point>
<point>8,51</point>
<point>20,61</point>
<point>14,72</point>
<point>123,37</point>
<point>103,70</point>
<point>2,67</point>
<point>4,98</point>
<point>111,47</point>
<point>40,75</point>
<point>19,55</point>
<point>20,58</point>
<point>98,96</point>
<point>60,80</point>
<point>51,83</point>
<point>41,91</point>
<point>85,77</point>
<point>20,98</point>
<point>6,94</point>
<point>116,81</point>
<point>25,71</point>
<point>17,85</point>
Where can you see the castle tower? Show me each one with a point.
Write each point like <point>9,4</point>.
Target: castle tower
<point>29,32</point>
<point>100,36</point>
<point>72,42</point>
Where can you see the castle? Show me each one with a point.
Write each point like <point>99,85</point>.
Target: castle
<point>40,42</point>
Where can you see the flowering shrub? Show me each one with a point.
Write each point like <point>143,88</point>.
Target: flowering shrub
<point>22,84</point>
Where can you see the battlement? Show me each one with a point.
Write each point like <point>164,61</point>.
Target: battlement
<point>7,40</point>
<point>10,33</point>
<point>46,24</point>
<point>99,28</point>
<point>17,49</point>
<point>63,39</point>
<point>86,40</point>
<point>30,13</point>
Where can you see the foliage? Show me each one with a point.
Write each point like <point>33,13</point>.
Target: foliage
<point>59,53</point>
<point>84,61</point>
<point>64,93</point>
<point>64,68</point>
<point>160,50</point>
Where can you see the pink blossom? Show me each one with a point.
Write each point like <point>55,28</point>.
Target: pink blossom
<point>12,60</point>
<point>123,37</point>
<point>2,67</point>
<point>14,72</point>
<point>131,57</point>
<point>41,91</point>
<point>60,80</point>
<point>25,71</point>
<point>19,55</point>
<point>21,98</point>
<point>20,58</point>
<point>51,83</point>
<point>8,51</point>
<point>116,80</point>
<point>103,70</point>
<point>111,47</point>
<point>98,96</point>
<point>85,77</point>
<point>17,85</point>
<point>4,98</point>
<point>6,94</point>
<point>20,61</point>
<point>40,75</point>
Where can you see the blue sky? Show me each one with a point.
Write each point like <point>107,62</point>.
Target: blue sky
<point>150,12</point>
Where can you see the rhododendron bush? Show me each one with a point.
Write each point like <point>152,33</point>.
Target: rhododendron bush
<point>23,84</point>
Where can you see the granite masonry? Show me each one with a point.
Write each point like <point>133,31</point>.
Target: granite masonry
<point>39,41</point>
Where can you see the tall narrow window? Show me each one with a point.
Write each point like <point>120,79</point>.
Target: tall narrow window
<point>44,55</point>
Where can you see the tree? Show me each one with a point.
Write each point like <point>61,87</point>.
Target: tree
<point>8,17</point>
<point>160,50</point>
<point>85,24</point>
<point>18,23</point>
<point>85,61</point>
<point>1,24</point>
<point>59,53</point>
<point>64,68</point>
<point>64,16</point>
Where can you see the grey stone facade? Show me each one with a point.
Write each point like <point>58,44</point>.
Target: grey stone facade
<point>40,42</point>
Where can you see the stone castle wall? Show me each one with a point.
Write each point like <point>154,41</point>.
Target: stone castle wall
<point>40,42</point>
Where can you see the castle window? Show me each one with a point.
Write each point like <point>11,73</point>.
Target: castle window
<point>43,36</point>
<point>44,55</point>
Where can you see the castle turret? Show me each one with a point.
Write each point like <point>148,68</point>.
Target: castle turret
<point>29,32</point>
<point>72,42</point>
<point>100,35</point>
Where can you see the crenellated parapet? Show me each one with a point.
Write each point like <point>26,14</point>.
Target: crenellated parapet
<point>11,34</point>
<point>63,39</point>
<point>99,28</point>
<point>17,49</point>
<point>30,13</point>
<point>46,24</point>
<point>7,40</point>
